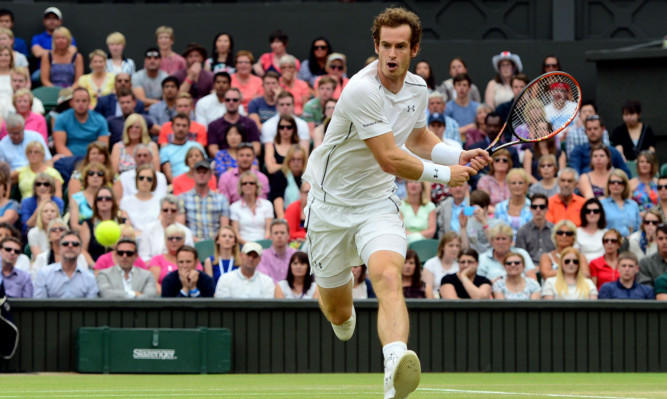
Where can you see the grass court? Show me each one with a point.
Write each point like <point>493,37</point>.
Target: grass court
<point>348,386</point>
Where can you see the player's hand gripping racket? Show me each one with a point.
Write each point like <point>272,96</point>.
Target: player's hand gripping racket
<point>544,108</point>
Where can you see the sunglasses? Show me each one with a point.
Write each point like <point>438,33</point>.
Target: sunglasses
<point>70,244</point>
<point>57,230</point>
<point>502,160</point>
<point>175,238</point>
<point>147,178</point>
<point>618,182</point>
<point>169,210</point>
<point>513,263</point>
<point>569,261</point>
<point>338,67</point>
<point>594,211</point>
<point>565,233</point>
<point>610,240</point>
<point>285,127</point>
<point>153,54</point>
<point>125,253</point>
<point>104,199</point>
<point>653,222</point>
<point>98,173</point>
<point>231,100</point>
<point>536,207</point>
<point>662,186</point>
<point>248,183</point>
<point>42,183</point>
<point>320,47</point>
<point>14,250</point>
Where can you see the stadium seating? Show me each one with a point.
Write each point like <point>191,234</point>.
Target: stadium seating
<point>48,96</point>
<point>265,243</point>
<point>205,248</point>
<point>425,249</point>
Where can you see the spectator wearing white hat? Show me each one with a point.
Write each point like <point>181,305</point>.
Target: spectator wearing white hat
<point>246,282</point>
<point>499,90</point>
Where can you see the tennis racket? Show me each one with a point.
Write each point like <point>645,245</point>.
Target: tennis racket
<point>544,108</point>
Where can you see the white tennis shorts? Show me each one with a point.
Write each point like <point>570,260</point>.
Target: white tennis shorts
<point>340,237</point>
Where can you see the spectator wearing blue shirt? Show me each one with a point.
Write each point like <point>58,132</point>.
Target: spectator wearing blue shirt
<point>7,21</point>
<point>462,109</point>
<point>261,109</point>
<point>580,158</point>
<point>622,212</point>
<point>172,155</point>
<point>79,126</point>
<point>626,287</point>
<point>65,279</point>
<point>41,43</point>
<point>13,145</point>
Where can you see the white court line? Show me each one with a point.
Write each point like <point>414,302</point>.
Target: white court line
<point>548,395</point>
<point>220,394</point>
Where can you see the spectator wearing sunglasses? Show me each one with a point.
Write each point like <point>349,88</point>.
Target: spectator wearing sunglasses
<point>593,226</point>
<point>153,239</point>
<point>570,283</point>
<point>605,268</point>
<point>43,190</point>
<point>105,207</point>
<point>66,279</point>
<point>622,212</point>
<point>109,259</point>
<point>124,280</point>
<point>514,286</point>
<point>17,282</point>
<point>563,235</point>
<point>95,176</point>
<point>336,67</point>
<point>55,229</point>
<point>643,243</point>
<point>662,196</point>
<point>27,175</point>
<point>535,235</point>
<point>143,207</point>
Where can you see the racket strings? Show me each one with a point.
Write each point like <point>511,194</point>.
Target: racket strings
<point>545,107</point>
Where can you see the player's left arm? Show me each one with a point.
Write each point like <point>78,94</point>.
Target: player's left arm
<point>426,145</point>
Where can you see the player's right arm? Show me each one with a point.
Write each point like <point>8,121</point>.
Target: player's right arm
<point>399,163</point>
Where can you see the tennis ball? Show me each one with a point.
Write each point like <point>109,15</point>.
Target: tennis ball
<point>107,233</point>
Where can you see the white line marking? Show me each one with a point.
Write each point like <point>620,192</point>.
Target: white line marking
<point>549,395</point>
<point>216,394</point>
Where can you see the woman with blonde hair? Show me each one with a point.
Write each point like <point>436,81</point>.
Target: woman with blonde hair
<point>7,40</point>
<point>6,65</point>
<point>99,82</point>
<point>117,62</point>
<point>514,286</point>
<point>23,100</point>
<point>81,203</point>
<point>548,184</point>
<point>105,207</point>
<point>563,235</point>
<point>134,132</point>
<point>418,212</point>
<point>37,236</point>
<point>62,66</point>
<point>495,183</point>
<point>251,216</point>
<point>644,187</point>
<point>163,264</point>
<point>96,151</point>
<point>621,211</point>
<point>44,189</point>
<point>570,283</point>
<point>142,208</point>
<point>605,268</point>
<point>286,183</point>
<point>35,154</point>
<point>55,230</point>
<point>515,211</point>
<point>444,263</point>
<point>643,243</point>
<point>225,256</point>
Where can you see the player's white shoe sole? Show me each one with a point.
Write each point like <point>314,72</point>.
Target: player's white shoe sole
<point>402,376</point>
<point>345,331</point>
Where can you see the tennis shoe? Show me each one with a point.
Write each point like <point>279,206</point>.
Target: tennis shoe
<point>401,375</point>
<point>345,331</point>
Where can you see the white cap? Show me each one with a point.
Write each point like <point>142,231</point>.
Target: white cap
<point>252,247</point>
<point>53,10</point>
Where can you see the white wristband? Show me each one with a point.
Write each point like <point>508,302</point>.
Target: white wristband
<point>435,173</point>
<point>445,155</point>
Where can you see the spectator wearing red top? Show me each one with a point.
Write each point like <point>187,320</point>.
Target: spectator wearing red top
<point>295,216</point>
<point>249,84</point>
<point>271,61</point>
<point>171,62</point>
<point>186,181</point>
<point>605,268</point>
<point>566,204</point>
<point>290,83</point>
<point>197,132</point>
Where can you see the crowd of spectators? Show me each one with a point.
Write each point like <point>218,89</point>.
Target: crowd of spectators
<point>203,147</point>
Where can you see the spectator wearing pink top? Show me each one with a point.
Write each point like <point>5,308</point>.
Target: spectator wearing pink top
<point>336,67</point>
<point>271,61</point>
<point>170,61</point>
<point>22,100</point>
<point>228,183</point>
<point>163,264</point>
<point>275,260</point>
<point>298,88</point>
<point>248,84</point>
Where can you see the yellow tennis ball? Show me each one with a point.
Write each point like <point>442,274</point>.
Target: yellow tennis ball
<point>107,233</point>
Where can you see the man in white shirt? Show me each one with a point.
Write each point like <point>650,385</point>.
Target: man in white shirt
<point>124,280</point>
<point>12,146</point>
<point>352,213</point>
<point>285,106</point>
<point>142,155</point>
<point>212,106</point>
<point>246,282</point>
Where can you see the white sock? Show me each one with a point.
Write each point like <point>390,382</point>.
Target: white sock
<point>396,348</point>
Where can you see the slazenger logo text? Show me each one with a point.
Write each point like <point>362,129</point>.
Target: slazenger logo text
<point>154,354</point>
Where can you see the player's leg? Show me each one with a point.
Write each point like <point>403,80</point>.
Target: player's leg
<point>336,303</point>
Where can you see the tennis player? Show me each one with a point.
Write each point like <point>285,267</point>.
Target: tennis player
<point>352,215</point>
